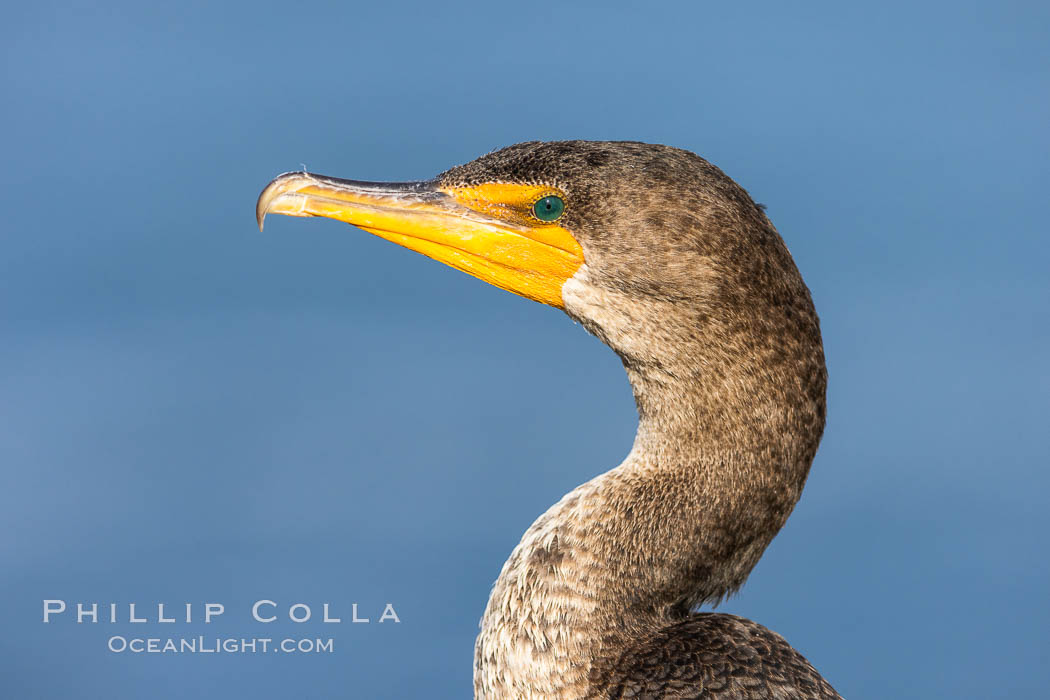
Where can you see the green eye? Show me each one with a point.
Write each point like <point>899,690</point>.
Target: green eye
<point>548,208</point>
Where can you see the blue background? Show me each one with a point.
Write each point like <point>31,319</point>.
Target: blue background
<point>193,411</point>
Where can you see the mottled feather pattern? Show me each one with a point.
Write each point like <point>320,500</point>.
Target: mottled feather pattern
<point>713,656</point>
<point>687,280</point>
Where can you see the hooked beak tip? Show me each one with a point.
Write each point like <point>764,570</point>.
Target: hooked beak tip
<point>271,192</point>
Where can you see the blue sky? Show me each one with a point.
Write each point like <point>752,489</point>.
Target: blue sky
<point>194,411</point>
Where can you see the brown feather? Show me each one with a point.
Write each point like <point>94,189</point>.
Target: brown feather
<point>689,282</point>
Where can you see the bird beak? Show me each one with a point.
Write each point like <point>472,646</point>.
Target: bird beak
<point>533,261</point>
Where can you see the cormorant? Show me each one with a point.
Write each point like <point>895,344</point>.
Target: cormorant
<point>674,267</point>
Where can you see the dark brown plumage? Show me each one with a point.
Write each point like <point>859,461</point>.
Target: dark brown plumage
<point>714,656</point>
<point>688,281</point>
<point>673,266</point>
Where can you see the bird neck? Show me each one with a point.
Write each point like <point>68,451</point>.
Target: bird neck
<point>681,521</point>
<point>725,439</point>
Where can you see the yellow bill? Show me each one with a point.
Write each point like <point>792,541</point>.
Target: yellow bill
<point>484,230</point>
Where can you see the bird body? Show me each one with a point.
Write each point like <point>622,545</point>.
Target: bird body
<point>673,266</point>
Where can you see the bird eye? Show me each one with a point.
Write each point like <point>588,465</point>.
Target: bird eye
<point>549,208</point>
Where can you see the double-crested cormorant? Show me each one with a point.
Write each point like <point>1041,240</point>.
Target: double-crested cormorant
<point>673,266</point>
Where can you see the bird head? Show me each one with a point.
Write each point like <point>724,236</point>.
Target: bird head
<point>648,246</point>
